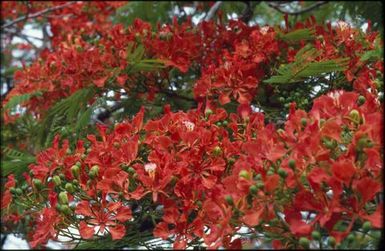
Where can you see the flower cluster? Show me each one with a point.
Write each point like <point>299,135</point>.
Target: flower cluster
<point>232,60</point>
<point>214,172</point>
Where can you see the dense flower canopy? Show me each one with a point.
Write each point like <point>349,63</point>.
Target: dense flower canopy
<point>204,173</point>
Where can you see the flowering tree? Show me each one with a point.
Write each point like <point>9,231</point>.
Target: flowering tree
<point>216,134</point>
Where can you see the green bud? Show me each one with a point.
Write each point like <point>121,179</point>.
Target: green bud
<point>19,191</point>
<point>260,185</point>
<point>304,242</point>
<point>84,156</point>
<point>219,123</point>
<point>94,171</point>
<point>63,198</point>
<point>62,176</point>
<point>366,226</point>
<point>303,122</point>
<point>281,172</point>
<point>59,207</point>
<point>316,235</point>
<point>75,182</point>
<point>258,176</point>
<point>225,123</point>
<point>13,190</point>
<point>208,112</point>
<point>56,180</point>
<point>322,122</point>
<point>66,210</point>
<point>269,173</point>
<point>332,241</point>
<point>70,188</point>
<point>350,237</point>
<point>217,151</point>
<point>292,164</point>
<point>231,161</point>
<point>229,200</point>
<point>281,99</point>
<point>244,174</point>
<point>75,170</point>
<point>355,115</point>
<point>131,170</point>
<point>37,183</point>
<point>199,203</point>
<point>361,100</point>
<point>24,187</point>
<point>253,189</point>
<point>78,164</point>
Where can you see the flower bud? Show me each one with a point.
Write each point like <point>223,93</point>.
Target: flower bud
<point>63,198</point>
<point>70,188</point>
<point>37,183</point>
<point>75,170</point>
<point>66,210</point>
<point>332,241</point>
<point>316,235</point>
<point>361,100</point>
<point>304,242</point>
<point>366,226</point>
<point>217,151</point>
<point>355,115</point>
<point>131,170</point>
<point>260,185</point>
<point>219,123</point>
<point>75,182</point>
<point>244,174</point>
<point>56,180</point>
<point>253,189</point>
<point>292,164</point>
<point>225,123</point>
<point>94,171</point>
<point>13,190</point>
<point>229,200</point>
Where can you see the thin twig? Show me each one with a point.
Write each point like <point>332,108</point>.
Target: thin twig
<point>298,12</point>
<point>37,14</point>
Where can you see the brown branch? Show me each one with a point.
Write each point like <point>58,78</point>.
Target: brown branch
<point>37,14</point>
<point>298,12</point>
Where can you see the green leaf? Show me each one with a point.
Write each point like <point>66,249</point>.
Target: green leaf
<point>297,35</point>
<point>15,162</point>
<point>304,67</point>
<point>17,100</point>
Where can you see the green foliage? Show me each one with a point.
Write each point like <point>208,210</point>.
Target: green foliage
<point>18,100</point>
<point>14,161</point>
<point>297,35</point>
<point>304,67</point>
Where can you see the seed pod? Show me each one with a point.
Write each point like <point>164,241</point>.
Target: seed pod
<point>355,115</point>
<point>63,198</point>
<point>281,172</point>
<point>303,122</point>
<point>332,241</point>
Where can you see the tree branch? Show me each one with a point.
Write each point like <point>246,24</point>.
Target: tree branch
<point>37,14</point>
<point>212,10</point>
<point>298,12</point>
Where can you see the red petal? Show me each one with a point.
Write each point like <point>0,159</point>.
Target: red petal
<point>86,232</point>
<point>224,98</point>
<point>344,170</point>
<point>100,82</point>
<point>209,181</point>
<point>117,232</point>
<point>272,182</point>
<point>124,214</point>
<point>252,217</point>
<point>83,208</point>
<point>161,231</point>
<point>368,188</point>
